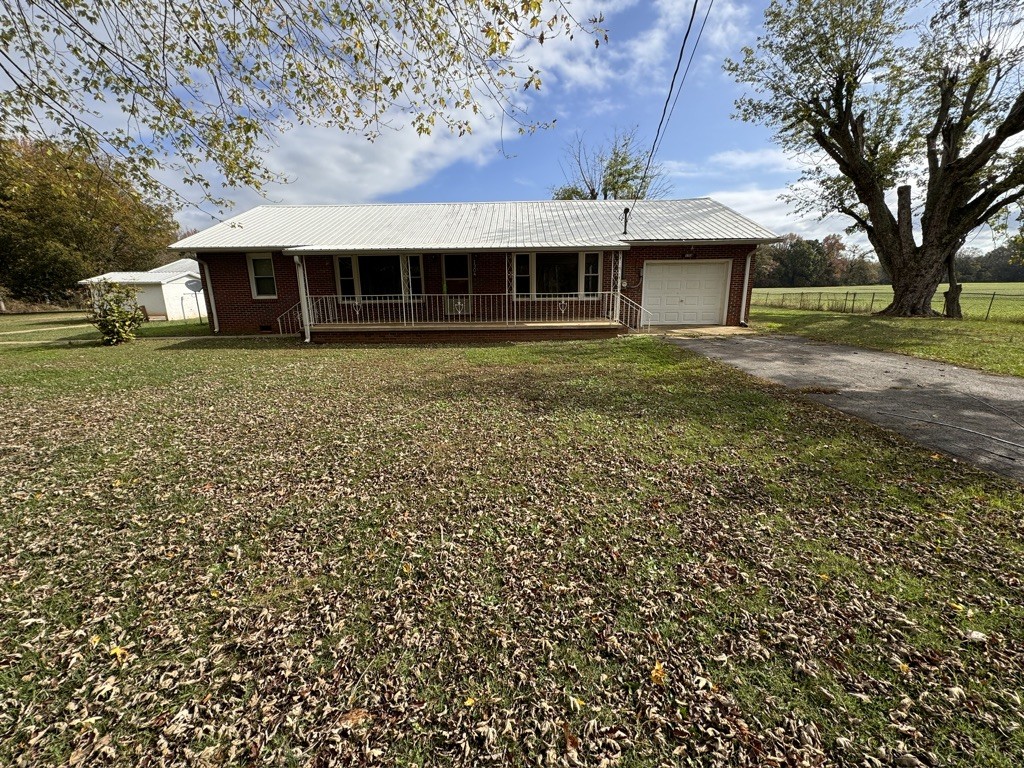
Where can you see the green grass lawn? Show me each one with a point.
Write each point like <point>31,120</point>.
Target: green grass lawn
<point>977,301</point>
<point>255,552</point>
<point>75,327</point>
<point>991,345</point>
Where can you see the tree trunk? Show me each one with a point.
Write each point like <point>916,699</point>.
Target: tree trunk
<point>914,282</point>
<point>951,308</point>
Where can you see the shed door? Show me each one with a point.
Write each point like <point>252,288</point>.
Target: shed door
<point>686,292</point>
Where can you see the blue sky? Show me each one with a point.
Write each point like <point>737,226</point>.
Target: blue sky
<point>620,85</point>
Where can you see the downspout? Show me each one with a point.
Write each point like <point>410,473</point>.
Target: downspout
<point>300,275</point>
<point>213,302</point>
<point>746,287</point>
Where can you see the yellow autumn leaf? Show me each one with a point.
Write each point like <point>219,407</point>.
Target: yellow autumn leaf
<point>470,701</point>
<point>94,640</point>
<point>119,653</point>
<point>658,674</point>
<point>407,567</point>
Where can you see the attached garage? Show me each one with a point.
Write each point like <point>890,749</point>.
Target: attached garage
<point>686,292</point>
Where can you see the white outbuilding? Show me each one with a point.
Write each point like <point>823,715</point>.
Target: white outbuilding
<point>171,292</point>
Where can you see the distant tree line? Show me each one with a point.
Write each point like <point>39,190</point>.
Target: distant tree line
<point>65,216</point>
<point>797,263</point>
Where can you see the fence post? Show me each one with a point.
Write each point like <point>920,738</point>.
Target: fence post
<point>819,300</point>
<point>846,298</point>
<point>990,303</point>
<point>871,308</point>
<point>853,306</point>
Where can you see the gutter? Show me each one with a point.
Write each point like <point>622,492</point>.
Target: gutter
<point>300,276</point>
<point>746,288</point>
<point>213,301</point>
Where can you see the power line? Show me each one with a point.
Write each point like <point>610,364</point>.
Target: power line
<point>673,92</point>
<point>682,82</point>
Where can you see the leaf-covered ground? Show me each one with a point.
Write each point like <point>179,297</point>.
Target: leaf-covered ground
<point>612,553</point>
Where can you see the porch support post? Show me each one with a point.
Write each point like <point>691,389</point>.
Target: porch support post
<point>403,265</point>
<point>616,285</point>
<point>304,309</point>
<point>510,288</point>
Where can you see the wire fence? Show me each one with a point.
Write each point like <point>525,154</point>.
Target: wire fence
<point>975,305</point>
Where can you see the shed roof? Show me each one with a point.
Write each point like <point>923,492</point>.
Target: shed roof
<point>181,265</point>
<point>503,226</point>
<point>139,278</point>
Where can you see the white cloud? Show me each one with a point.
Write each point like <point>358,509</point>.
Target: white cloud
<point>764,160</point>
<point>327,166</point>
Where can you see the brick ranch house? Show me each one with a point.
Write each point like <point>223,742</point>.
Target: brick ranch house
<point>443,271</point>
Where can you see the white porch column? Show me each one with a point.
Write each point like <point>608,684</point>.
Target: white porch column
<point>510,288</point>
<point>616,285</point>
<point>304,309</point>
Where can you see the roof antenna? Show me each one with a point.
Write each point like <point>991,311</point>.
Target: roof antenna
<point>625,221</point>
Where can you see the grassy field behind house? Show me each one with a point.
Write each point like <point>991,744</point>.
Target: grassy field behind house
<point>977,301</point>
<point>75,327</point>
<point>607,553</point>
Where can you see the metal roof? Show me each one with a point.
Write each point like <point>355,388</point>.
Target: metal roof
<point>139,278</point>
<point>181,265</point>
<point>504,226</point>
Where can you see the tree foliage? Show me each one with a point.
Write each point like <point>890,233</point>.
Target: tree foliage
<point>214,82</point>
<point>65,216</point>
<point>887,109</point>
<point>615,170</point>
<point>795,262</point>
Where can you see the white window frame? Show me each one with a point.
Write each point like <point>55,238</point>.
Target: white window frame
<point>581,274</point>
<point>252,275</point>
<point>357,281</point>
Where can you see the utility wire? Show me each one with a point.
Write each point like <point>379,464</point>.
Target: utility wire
<point>682,82</point>
<point>673,94</point>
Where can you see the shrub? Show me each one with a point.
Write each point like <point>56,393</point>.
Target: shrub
<point>115,311</point>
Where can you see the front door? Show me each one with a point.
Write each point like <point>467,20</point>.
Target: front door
<point>457,284</point>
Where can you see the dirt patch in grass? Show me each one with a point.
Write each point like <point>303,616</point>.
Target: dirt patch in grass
<point>594,553</point>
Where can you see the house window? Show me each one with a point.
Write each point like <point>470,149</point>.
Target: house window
<point>375,276</point>
<point>523,274</point>
<point>558,274</point>
<point>261,276</point>
<point>591,273</point>
<point>346,276</point>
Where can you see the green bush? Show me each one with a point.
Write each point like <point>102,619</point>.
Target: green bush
<point>115,311</point>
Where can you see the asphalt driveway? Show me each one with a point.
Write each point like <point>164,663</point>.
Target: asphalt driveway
<point>973,416</point>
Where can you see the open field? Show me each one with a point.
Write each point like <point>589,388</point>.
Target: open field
<point>994,346</point>
<point>258,553</point>
<point>995,301</point>
<point>73,326</point>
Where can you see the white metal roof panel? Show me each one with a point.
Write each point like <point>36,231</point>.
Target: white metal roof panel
<point>181,265</point>
<point>139,278</point>
<point>533,225</point>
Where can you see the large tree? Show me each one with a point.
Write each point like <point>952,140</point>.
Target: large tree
<point>213,82</point>
<point>617,169</point>
<point>65,216</point>
<point>910,116</point>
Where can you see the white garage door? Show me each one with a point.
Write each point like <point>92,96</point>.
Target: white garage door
<point>680,293</point>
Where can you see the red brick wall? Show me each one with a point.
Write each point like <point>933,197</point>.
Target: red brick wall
<point>237,310</point>
<point>637,255</point>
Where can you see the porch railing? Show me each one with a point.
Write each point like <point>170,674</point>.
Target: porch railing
<point>502,308</point>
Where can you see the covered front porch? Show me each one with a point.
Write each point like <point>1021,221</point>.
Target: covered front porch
<point>587,301</point>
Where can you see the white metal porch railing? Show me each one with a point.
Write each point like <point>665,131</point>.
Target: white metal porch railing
<point>632,315</point>
<point>498,308</point>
